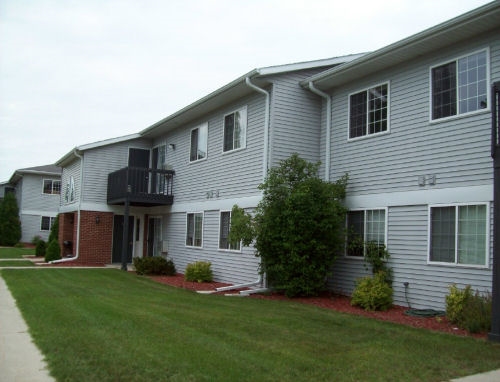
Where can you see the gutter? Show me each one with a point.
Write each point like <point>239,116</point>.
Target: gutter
<point>77,244</point>
<point>328,144</point>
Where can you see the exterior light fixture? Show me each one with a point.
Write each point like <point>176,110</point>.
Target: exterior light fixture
<point>97,219</point>
<point>172,146</point>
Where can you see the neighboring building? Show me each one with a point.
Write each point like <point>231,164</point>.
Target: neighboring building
<point>410,123</point>
<point>37,192</point>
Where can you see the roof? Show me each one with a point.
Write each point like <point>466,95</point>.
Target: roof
<point>73,154</point>
<point>234,90</point>
<point>46,170</point>
<point>456,30</point>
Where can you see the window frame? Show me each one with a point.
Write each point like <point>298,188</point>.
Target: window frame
<point>388,107</point>
<point>457,95</point>
<point>229,249</point>
<point>52,186</point>
<point>456,263</point>
<point>194,229</point>
<point>244,140</point>
<point>198,127</point>
<point>365,210</point>
<point>69,193</point>
<point>51,222</point>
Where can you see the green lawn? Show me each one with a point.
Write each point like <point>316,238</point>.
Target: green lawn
<point>16,263</point>
<point>15,253</point>
<point>109,325</point>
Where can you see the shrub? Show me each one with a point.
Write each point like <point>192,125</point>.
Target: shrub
<point>468,310</point>
<point>10,225</point>
<point>372,293</point>
<point>53,251</point>
<point>455,303</point>
<point>298,227</point>
<point>36,239</point>
<point>41,247</point>
<point>155,265</point>
<point>199,271</point>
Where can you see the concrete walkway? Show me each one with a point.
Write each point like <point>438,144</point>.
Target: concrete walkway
<point>20,359</point>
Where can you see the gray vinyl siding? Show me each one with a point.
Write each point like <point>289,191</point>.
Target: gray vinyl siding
<point>227,266</point>
<point>408,247</point>
<point>33,204</point>
<point>456,151</point>
<point>233,174</point>
<point>100,162</point>
<point>295,119</point>
<point>71,170</point>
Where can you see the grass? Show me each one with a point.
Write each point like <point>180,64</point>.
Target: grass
<point>109,325</point>
<point>16,263</point>
<point>15,253</point>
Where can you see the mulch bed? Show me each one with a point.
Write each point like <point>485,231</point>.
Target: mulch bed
<point>336,302</point>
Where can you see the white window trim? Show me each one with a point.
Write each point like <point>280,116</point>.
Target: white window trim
<point>51,222</point>
<point>244,145</point>
<point>368,136</point>
<point>218,236</point>
<point>190,131</point>
<point>456,264</point>
<point>488,88</point>
<point>202,228</point>
<point>386,225</point>
<point>52,186</point>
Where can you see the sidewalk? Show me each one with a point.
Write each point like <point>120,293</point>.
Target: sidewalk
<point>20,359</point>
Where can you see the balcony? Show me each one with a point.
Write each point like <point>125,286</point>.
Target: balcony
<point>143,187</point>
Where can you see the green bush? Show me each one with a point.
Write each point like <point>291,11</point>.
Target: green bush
<point>53,251</point>
<point>372,293</point>
<point>155,265</point>
<point>199,271</point>
<point>41,247</point>
<point>468,310</point>
<point>10,225</point>
<point>36,239</point>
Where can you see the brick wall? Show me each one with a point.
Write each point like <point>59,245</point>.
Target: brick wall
<point>96,238</point>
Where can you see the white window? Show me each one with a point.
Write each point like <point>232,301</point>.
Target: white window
<point>365,226</point>
<point>225,226</point>
<point>194,229</point>
<point>459,234</point>
<point>69,195</point>
<point>199,142</point>
<point>369,111</point>
<point>52,187</point>
<point>460,86</point>
<point>235,130</point>
<point>46,223</point>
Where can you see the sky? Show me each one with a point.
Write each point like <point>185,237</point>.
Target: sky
<point>74,72</point>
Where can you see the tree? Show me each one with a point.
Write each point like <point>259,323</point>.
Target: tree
<point>10,225</point>
<point>298,227</point>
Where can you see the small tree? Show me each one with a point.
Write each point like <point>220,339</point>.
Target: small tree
<point>54,230</point>
<point>53,251</point>
<point>10,225</point>
<point>298,227</point>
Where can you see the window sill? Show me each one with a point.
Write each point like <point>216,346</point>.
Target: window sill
<point>455,265</point>
<point>368,136</point>
<point>459,116</point>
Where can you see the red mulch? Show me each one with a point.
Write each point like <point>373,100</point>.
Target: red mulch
<point>333,301</point>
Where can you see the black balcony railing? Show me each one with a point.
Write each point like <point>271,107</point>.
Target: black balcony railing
<point>141,187</point>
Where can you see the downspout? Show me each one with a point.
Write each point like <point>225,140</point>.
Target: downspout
<point>265,166</point>
<point>267,151</point>
<point>328,144</point>
<point>79,216</point>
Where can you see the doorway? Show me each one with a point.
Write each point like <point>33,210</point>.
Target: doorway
<point>154,236</point>
<point>118,221</point>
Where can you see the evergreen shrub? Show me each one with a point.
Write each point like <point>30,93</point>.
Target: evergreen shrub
<point>53,251</point>
<point>200,271</point>
<point>155,265</point>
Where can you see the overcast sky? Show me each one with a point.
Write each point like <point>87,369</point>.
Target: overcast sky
<point>76,72</point>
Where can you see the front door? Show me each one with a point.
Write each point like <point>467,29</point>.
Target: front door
<point>118,238</point>
<point>154,236</point>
